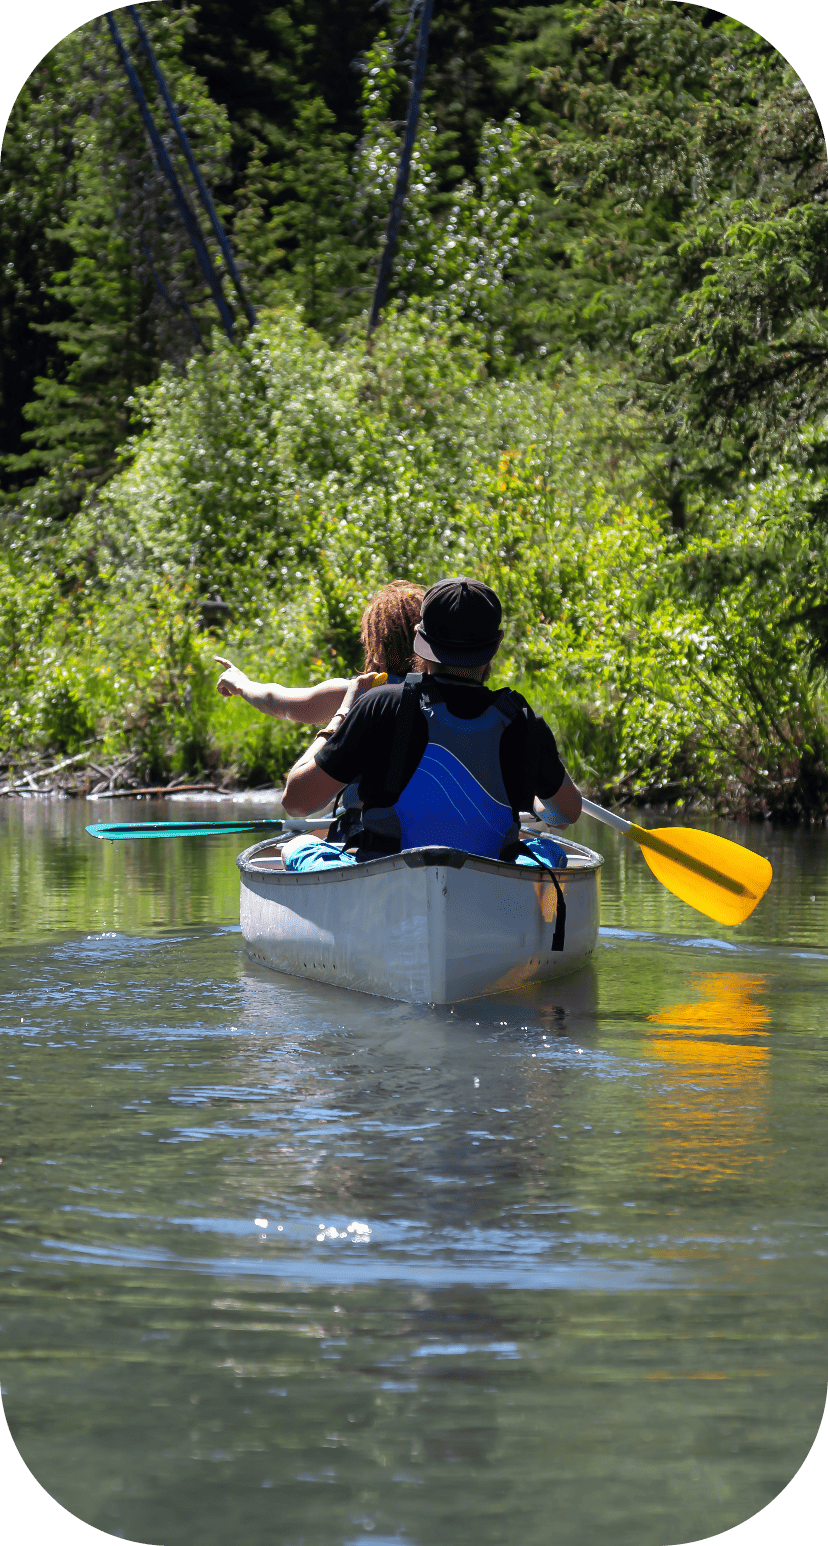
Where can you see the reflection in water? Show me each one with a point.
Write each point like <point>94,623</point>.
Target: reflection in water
<point>582,1299</point>
<point>467,1099</point>
<point>728,1006</point>
<point>56,877</point>
<point>711,1124</point>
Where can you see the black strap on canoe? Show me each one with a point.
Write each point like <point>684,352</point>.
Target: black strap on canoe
<point>511,705</point>
<point>559,931</point>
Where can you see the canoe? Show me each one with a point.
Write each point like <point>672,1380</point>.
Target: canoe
<point>427,926</point>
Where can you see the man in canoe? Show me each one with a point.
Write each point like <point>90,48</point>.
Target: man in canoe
<point>439,759</point>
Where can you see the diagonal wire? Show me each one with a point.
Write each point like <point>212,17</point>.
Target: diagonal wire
<point>204,191</point>
<point>401,187</point>
<point>187,216</point>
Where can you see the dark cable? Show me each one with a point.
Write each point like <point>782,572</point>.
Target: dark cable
<point>193,165</point>
<point>187,216</point>
<point>398,201</point>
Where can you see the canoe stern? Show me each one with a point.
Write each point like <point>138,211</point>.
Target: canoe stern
<point>427,926</point>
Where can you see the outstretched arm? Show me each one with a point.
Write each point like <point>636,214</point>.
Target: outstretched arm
<point>305,705</point>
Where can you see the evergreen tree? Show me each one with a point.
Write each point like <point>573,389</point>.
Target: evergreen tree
<point>330,206</point>
<point>311,222</point>
<point>667,212</point>
<point>35,185</point>
<point>691,168</point>
<point>118,268</point>
<point>99,273</point>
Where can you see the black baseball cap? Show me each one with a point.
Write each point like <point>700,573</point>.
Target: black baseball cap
<point>459,623</point>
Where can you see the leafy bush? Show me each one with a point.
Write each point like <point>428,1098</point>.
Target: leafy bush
<point>281,481</point>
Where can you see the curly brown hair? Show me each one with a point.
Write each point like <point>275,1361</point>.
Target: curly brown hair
<point>387,628</point>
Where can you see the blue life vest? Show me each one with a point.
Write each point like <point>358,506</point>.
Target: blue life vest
<point>456,797</point>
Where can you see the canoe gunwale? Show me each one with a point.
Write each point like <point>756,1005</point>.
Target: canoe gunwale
<point>419,858</point>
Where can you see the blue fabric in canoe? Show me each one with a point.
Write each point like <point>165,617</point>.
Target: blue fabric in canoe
<point>546,852</point>
<point>314,853</point>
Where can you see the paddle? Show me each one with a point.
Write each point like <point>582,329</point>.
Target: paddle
<point>719,878</point>
<point>112,831</point>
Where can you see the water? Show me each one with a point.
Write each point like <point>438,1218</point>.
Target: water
<point>585,1302</point>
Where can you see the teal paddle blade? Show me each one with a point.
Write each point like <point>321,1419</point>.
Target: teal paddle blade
<point>115,831</point>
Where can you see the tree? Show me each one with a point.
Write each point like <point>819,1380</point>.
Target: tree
<point>278,104</point>
<point>692,169</point>
<point>112,255</point>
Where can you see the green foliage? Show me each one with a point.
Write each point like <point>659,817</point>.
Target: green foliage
<point>310,210</point>
<point>697,162</point>
<point>309,187</point>
<point>113,258</point>
<point>289,479</point>
<point>329,203</point>
<point>600,383</point>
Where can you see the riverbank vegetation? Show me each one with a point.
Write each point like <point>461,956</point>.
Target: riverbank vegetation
<point>600,385</point>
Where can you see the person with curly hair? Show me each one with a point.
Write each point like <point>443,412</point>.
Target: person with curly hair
<point>387,633</point>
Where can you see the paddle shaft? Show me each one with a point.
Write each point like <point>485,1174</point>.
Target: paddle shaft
<point>647,839</point>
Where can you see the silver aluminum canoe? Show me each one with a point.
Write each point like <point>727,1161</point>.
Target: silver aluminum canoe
<point>430,926</point>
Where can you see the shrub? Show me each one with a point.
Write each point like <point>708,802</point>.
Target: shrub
<point>281,481</point>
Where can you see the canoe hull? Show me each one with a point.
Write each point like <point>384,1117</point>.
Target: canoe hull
<point>428,926</point>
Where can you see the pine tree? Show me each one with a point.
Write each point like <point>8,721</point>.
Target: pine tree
<point>125,288</point>
<point>691,164</point>
<point>98,272</point>
<point>312,218</point>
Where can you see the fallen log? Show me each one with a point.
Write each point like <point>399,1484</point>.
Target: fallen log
<point>154,789</point>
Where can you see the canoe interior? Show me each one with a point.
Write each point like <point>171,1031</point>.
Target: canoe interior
<point>431,925</point>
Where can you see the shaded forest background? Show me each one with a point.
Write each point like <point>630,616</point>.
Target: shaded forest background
<point>600,383</point>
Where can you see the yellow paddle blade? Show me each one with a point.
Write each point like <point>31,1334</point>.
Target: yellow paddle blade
<point>719,878</point>
<point>380,679</point>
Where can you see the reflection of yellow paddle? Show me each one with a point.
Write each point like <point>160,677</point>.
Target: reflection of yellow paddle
<point>717,877</point>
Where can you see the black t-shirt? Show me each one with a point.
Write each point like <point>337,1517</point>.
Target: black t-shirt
<point>361,747</point>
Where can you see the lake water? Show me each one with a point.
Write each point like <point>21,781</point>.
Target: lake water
<point>585,1302</point>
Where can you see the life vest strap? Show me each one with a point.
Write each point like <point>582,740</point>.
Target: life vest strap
<point>506,701</point>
